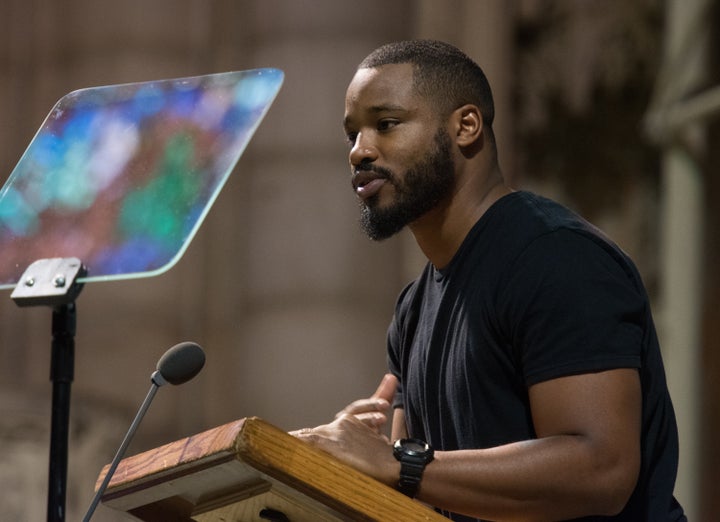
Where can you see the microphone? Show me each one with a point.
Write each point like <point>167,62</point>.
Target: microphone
<point>178,365</point>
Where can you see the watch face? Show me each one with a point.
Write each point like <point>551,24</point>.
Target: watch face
<point>414,446</point>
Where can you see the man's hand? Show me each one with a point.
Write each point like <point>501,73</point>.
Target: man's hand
<point>354,436</point>
<point>357,445</point>
<point>373,411</point>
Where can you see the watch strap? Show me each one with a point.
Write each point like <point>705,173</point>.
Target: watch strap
<point>410,477</point>
<point>413,455</point>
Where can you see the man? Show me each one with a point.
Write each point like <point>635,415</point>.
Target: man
<point>523,361</point>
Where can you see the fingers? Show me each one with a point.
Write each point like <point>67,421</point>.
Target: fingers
<point>306,435</point>
<point>372,419</point>
<point>352,442</point>
<point>324,434</point>
<point>365,406</point>
<point>386,389</point>
<point>379,401</point>
<point>304,432</point>
<point>332,433</point>
<point>373,411</point>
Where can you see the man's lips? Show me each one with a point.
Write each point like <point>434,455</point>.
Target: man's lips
<point>370,189</point>
<point>367,183</point>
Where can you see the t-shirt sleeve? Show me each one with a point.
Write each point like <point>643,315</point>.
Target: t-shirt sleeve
<point>396,341</point>
<point>394,365</point>
<point>573,305</point>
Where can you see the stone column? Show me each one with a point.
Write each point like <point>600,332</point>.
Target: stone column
<point>288,298</point>
<point>483,30</point>
<point>299,299</point>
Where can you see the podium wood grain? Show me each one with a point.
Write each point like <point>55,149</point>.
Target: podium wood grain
<point>233,472</point>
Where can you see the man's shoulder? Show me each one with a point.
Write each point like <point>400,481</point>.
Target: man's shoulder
<point>523,218</point>
<point>539,214</point>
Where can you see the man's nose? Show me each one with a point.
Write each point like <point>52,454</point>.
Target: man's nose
<point>363,151</point>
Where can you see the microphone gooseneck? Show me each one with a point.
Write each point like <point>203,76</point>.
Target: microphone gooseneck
<point>178,365</point>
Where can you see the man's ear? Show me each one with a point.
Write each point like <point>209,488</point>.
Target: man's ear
<point>468,125</point>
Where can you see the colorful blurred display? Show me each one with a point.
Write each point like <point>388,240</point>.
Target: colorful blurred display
<point>122,176</point>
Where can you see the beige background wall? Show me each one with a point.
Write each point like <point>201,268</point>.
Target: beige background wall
<point>288,298</point>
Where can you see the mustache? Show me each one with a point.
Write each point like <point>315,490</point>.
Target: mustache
<point>375,169</point>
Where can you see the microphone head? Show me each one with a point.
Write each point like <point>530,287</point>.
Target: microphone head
<point>181,363</point>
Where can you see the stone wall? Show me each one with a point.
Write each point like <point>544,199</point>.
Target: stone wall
<point>280,287</point>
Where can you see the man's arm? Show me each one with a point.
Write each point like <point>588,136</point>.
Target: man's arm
<point>585,460</point>
<point>399,428</point>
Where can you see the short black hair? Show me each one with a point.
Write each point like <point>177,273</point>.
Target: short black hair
<point>442,72</point>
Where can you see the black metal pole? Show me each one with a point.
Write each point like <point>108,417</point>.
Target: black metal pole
<point>61,374</point>
<point>54,282</point>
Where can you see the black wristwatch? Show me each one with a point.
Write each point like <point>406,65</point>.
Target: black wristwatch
<point>414,455</point>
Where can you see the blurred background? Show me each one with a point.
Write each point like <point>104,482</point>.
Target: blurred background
<point>608,106</point>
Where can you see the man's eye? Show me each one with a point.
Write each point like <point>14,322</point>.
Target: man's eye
<point>384,125</point>
<point>351,137</point>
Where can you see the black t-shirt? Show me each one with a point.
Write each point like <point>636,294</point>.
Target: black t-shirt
<point>534,293</point>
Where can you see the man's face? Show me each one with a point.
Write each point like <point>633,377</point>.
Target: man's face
<point>400,155</point>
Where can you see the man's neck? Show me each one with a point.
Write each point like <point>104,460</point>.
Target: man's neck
<point>441,231</point>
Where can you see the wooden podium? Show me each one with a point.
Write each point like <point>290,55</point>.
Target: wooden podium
<point>251,471</point>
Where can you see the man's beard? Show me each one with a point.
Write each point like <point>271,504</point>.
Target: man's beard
<point>424,185</point>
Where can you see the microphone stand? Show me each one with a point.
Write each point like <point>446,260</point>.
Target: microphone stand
<point>157,380</point>
<point>53,282</point>
<point>178,365</point>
